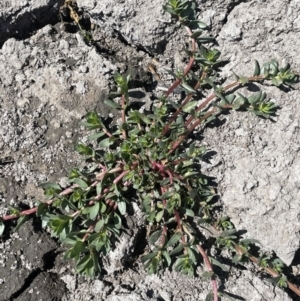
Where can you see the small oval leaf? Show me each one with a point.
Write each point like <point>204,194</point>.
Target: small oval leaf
<point>112,104</point>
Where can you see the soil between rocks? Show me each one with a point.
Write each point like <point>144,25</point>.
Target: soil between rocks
<point>50,78</point>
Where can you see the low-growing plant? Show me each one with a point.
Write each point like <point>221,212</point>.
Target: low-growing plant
<point>149,159</point>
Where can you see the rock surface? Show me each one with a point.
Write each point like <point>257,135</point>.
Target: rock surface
<point>50,78</point>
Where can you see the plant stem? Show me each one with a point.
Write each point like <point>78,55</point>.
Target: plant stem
<point>269,270</point>
<point>210,269</point>
<point>179,80</point>
<point>178,220</point>
<point>119,177</point>
<point>178,111</point>
<point>191,128</point>
<point>226,88</point>
<point>107,132</point>
<point>89,231</point>
<point>188,67</point>
<point>34,210</point>
<point>25,212</point>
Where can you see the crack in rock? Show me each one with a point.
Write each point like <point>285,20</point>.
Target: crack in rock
<point>231,7</point>
<point>24,21</point>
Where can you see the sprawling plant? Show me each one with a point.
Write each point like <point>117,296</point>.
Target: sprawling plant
<point>149,159</point>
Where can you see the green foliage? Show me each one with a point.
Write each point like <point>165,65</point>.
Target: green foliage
<point>148,160</point>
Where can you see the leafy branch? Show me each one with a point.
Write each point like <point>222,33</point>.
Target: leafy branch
<point>147,160</point>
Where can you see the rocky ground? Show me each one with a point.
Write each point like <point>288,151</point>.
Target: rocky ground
<point>50,78</point>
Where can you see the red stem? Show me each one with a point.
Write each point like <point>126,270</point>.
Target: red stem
<point>187,99</point>
<point>178,220</point>
<point>181,138</point>
<point>226,88</point>
<point>163,236</point>
<point>188,67</point>
<point>33,210</point>
<point>90,229</point>
<point>107,132</point>
<point>269,270</point>
<point>210,269</point>
<point>119,177</point>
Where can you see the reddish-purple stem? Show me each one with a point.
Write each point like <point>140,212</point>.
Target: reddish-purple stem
<point>89,231</point>
<point>120,176</point>
<point>181,138</point>
<point>188,67</point>
<point>107,132</point>
<point>33,210</point>
<point>187,99</point>
<point>269,270</point>
<point>210,269</point>
<point>226,88</point>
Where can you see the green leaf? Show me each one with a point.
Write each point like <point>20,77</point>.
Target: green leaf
<point>190,173</point>
<point>42,209</point>
<point>99,225</point>
<point>174,239</point>
<point>148,257</point>
<point>94,210</point>
<point>237,258</point>
<point>70,240</point>
<point>112,104</point>
<point>155,236</point>
<point>2,227</point>
<point>250,241</point>
<point>83,263</point>
<point>122,207</point>
<point>93,121</point>
<point>205,39</point>
<point>79,246</point>
<point>192,254</point>
<point>50,185</point>
<point>243,80</point>
<point>256,68</point>
<point>117,221</point>
<point>189,106</point>
<point>189,212</point>
<point>167,195</point>
<point>196,34</point>
<point>201,24</point>
<point>167,257</point>
<point>20,222</point>
<point>169,10</point>
<point>228,233</point>
<point>102,207</point>
<point>105,143</point>
<point>276,82</point>
<point>217,263</point>
<point>145,118</point>
<point>207,275</point>
<point>96,136</point>
<point>238,102</point>
<point>159,216</point>
<point>165,182</point>
<point>177,249</point>
<point>188,88</point>
<point>82,184</point>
